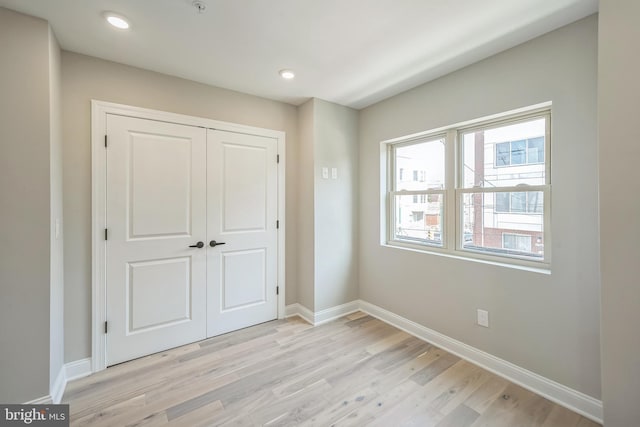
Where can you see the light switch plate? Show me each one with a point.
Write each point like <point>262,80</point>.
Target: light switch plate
<point>325,173</point>
<point>334,173</point>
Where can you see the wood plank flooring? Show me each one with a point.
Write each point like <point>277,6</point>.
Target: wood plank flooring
<point>354,371</point>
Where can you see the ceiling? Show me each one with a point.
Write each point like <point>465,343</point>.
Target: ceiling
<point>352,52</point>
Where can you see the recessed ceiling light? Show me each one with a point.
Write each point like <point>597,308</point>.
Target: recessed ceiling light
<point>287,74</point>
<point>116,20</point>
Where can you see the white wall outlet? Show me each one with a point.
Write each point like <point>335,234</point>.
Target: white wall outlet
<point>334,173</point>
<point>483,318</point>
<point>325,173</point>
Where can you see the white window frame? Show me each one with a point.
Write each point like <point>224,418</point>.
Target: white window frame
<point>452,193</point>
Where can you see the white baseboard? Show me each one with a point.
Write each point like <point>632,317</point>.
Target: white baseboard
<point>45,400</point>
<point>556,392</point>
<point>57,390</point>
<point>77,369</point>
<point>329,314</point>
<point>322,316</point>
<point>301,311</point>
<point>69,372</point>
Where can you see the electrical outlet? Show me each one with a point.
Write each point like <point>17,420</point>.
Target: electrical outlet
<point>483,318</point>
<point>334,173</point>
<point>325,173</point>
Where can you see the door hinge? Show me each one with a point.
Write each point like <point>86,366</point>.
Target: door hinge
<point>277,290</point>
<point>278,158</point>
<point>278,224</point>
<point>106,327</point>
<point>106,234</point>
<point>105,141</point>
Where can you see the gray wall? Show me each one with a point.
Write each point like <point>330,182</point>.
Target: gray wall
<point>85,78</point>
<point>306,208</point>
<point>619,148</point>
<point>336,205</point>
<point>56,325</point>
<point>327,238</point>
<point>25,208</point>
<point>548,324</point>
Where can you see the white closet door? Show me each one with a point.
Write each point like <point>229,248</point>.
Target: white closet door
<point>156,209</point>
<point>241,228</point>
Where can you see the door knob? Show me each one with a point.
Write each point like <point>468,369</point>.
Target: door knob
<point>213,243</point>
<point>198,245</point>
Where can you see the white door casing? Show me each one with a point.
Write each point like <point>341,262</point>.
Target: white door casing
<point>150,270</point>
<point>156,191</point>
<point>242,215</point>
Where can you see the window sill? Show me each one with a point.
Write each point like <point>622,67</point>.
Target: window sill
<point>542,269</point>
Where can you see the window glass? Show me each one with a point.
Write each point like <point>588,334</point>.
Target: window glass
<point>516,242</point>
<point>535,150</point>
<point>505,156</point>
<point>426,160</point>
<point>518,153</point>
<point>486,225</point>
<point>418,222</point>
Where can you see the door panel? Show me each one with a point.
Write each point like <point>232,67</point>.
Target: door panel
<point>158,283</point>
<point>159,162</point>
<point>244,279</point>
<point>156,209</point>
<point>244,194</point>
<point>242,213</point>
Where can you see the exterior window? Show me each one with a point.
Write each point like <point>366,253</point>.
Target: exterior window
<point>516,242</point>
<point>522,152</point>
<point>530,202</point>
<point>487,198</point>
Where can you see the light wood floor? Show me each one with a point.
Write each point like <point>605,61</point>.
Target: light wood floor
<point>353,371</point>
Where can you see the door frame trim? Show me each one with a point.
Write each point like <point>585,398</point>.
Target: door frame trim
<point>99,111</point>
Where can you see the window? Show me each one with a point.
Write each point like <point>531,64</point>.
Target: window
<point>423,198</point>
<point>516,242</point>
<point>486,198</point>
<point>522,152</point>
<point>529,202</point>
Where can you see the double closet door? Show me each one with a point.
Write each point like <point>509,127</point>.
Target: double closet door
<point>191,239</point>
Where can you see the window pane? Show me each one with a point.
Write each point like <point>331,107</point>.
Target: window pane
<point>535,150</point>
<point>535,201</point>
<point>516,242</point>
<point>485,225</point>
<point>419,222</point>
<point>426,160</point>
<point>518,202</point>
<point>504,156</point>
<point>518,155</point>
<point>502,202</point>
